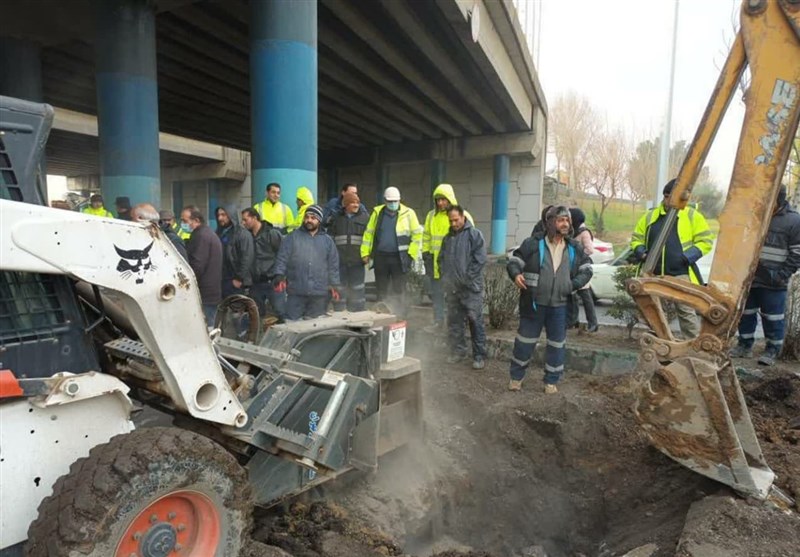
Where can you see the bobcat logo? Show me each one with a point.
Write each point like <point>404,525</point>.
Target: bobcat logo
<point>135,262</point>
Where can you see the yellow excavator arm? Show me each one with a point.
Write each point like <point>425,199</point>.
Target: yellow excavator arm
<point>690,404</point>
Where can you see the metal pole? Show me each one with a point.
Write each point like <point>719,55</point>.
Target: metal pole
<point>663,159</point>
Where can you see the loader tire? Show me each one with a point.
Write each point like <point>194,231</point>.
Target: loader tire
<point>153,492</point>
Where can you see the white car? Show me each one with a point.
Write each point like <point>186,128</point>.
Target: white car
<point>603,286</point>
<point>603,251</point>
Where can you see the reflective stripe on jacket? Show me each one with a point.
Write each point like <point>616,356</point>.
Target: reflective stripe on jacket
<point>409,234</point>
<point>279,215</point>
<point>693,233</point>
<point>180,232</point>
<point>780,256</point>
<point>101,212</point>
<point>437,225</point>
<point>348,235</point>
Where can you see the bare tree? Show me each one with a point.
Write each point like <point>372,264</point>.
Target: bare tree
<point>608,168</point>
<point>573,123</point>
<point>642,171</point>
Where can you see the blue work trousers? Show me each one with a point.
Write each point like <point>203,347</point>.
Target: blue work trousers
<point>306,307</point>
<point>352,288</point>
<point>554,321</point>
<point>771,304</point>
<point>466,306</point>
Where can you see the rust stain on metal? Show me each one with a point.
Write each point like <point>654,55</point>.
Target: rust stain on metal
<point>682,446</point>
<point>183,281</point>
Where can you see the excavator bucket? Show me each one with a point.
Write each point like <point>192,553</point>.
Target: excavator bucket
<point>694,411</point>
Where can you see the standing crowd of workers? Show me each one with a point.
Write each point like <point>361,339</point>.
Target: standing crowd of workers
<point>295,267</point>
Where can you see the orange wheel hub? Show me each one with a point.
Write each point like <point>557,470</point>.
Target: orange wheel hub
<point>181,523</point>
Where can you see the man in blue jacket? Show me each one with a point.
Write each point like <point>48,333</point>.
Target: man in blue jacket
<point>308,268</point>
<point>547,268</point>
<point>461,262</point>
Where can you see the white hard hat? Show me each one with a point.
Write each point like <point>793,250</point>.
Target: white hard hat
<point>391,194</point>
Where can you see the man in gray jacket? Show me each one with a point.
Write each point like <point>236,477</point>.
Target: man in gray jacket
<point>461,262</point>
<point>547,268</point>
<point>307,268</point>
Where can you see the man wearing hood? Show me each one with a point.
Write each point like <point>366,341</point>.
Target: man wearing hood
<point>778,261</point>
<point>305,199</point>
<point>123,207</point>
<point>237,252</point>
<point>437,225</point>
<point>461,262</point>
<point>584,236</point>
<point>547,268</point>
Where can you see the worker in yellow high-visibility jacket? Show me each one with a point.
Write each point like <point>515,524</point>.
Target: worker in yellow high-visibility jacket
<point>272,210</point>
<point>96,207</point>
<point>305,199</point>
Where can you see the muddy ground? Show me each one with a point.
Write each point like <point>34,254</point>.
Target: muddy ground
<point>528,474</point>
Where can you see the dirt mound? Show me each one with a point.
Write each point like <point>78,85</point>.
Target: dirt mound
<point>774,403</point>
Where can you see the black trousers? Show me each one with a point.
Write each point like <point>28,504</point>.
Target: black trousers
<point>390,280</point>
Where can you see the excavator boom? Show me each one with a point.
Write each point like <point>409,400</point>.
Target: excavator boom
<point>690,404</point>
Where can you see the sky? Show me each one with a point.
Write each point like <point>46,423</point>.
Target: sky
<point>617,53</point>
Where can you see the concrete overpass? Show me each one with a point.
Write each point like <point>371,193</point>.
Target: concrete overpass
<point>387,92</point>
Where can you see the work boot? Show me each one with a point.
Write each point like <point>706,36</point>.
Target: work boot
<point>550,389</point>
<point>454,359</point>
<point>740,351</point>
<point>769,355</point>
<point>515,385</point>
<point>478,363</point>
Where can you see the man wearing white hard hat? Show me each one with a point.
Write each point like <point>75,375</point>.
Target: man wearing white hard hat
<point>392,241</point>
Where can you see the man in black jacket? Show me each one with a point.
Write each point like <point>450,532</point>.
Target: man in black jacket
<point>166,218</point>
<point>779,260</point>
<point>461,262</point>
<point>547,268</point>
<point>205,259</point>
<point>347,227</point>
<point>266,243</point>
<point>237,252</point>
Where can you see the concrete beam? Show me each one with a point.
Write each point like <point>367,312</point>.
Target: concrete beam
<point>364,28</point>
<point>202,44</point>
<point>491,56</point>
<point>86,124</point>
<point>442,60</point>
<point>345,114</point>
<point>327,121</point>
<point>212,25</point>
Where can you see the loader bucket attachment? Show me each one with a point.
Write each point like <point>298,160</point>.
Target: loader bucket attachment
<point>693,410</point>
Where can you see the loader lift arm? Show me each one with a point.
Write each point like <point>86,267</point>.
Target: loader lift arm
<point>690,404</point>
<point>157,288</point>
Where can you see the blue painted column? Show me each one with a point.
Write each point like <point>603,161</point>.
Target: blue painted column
<point>502,165</point>
<point>283,96</point>
<point>127,101</point>
<point>21,69</point>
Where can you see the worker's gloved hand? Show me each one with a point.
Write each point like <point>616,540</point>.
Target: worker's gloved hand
<point>335,296</point>
<point>640,253</point>
<point>279,283</point>
<point>427,258</point>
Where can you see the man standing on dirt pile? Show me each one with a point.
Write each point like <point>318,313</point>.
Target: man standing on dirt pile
<point>779,260</point>
<point>547,268</point>
<point>461,263</point>
<point>688,241</point>
<point>437,225</point>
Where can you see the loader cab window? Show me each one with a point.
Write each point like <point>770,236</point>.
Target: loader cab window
<point>29,307</point>
<point>9,186</point>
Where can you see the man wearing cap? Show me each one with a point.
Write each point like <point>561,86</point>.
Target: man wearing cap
<point>96,207</point>
<point>437,226</point>
<point>307,268</point>
<point>778,261</point>
<point>278,214</point>
<point>334,206</point>
<point>392,242</point>
<point>688,240</point>
<point>166,221</point>
<point>346,226</point>
<point>547,268</point>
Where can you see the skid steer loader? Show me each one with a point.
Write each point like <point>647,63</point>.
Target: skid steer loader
<point>253,423</point>
<point>690,404</point>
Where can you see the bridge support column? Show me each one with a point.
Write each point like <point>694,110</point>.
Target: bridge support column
<point>21,69</point>
<point>127,102</point>
<point>438,174</point>
<point>502,164</point>
<point>283,96</point>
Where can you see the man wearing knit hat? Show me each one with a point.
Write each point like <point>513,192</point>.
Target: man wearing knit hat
<point>335,205</point>
<point>346,227</point>
<point>307,268</point>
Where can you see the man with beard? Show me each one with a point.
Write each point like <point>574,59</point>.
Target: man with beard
<point>237,252</point>
<point>547,268</point>
<point>307,268</point>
